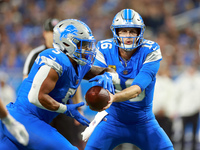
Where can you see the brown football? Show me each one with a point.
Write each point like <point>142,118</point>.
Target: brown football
<point>97,98</point>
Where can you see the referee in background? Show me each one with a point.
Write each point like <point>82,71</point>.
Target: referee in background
<point>48,38</point>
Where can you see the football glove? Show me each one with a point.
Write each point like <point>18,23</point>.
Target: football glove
<point>72,111</point>
<point>104,81</point>
<point>16,129</point>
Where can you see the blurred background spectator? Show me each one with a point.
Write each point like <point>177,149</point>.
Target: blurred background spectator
<point>187,98</point>
<point>164,99</point>
<point>173,24</point>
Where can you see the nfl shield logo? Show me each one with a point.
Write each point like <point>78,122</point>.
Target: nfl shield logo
<point>77,81</point>
<point>125,72</point>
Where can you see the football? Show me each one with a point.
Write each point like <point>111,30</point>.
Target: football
<point>97,97</point>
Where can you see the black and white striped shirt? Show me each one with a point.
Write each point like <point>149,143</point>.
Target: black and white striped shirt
<point>31,58</point>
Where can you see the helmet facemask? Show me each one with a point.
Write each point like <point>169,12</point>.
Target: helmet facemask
<point>136,40</point>
<point>85,52</point>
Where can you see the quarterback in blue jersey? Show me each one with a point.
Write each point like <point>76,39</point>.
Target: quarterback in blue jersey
<point>129,117</point>
<point>53,79</point>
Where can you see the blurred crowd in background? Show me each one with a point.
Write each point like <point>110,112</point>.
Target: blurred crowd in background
<point>173,24</point>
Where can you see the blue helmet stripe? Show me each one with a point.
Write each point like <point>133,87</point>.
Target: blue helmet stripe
<point>128,14</point>
<point>125,14</point>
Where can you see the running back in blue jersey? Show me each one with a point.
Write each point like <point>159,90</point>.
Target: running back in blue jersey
<point>36,120</point>
<point>53,80</point>
<point>65,87</point>
<point>146,61</point>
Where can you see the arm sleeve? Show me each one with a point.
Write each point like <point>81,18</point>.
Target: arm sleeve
<point>146,74</point>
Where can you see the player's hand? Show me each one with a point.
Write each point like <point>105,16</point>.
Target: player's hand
<point>104,81</point>
<point>72,111</point>
<point>16,129</point>
<point>109,102</point>
<point>76,123</point>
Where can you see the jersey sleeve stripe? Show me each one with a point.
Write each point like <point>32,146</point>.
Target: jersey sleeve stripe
<point>153,56</point>
<point>100,57</point>
<point>56,66</point>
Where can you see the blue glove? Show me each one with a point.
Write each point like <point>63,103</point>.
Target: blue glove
<point>72,111</point>
<point>104,81</point>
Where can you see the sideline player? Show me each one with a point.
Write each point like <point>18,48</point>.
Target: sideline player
<point>53,79</point>
<point>130,118</point>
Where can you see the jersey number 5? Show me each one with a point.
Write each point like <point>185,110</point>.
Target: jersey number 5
<point>68,94</point>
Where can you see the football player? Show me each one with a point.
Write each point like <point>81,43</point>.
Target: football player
<point>53,79</point>
<point>73,129</point>
<point>129,117</point>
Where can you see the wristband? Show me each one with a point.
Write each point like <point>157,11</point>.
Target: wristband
<point>62,108</point>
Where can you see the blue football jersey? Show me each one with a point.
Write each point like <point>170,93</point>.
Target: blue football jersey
<point>65,87</point>
<point>140,70</point>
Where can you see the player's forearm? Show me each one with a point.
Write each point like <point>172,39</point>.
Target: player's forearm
<point>43,83</point>
<point>43,101</point>
<point>48,102</point>
<point>95,70</point>
<point>126,94</point>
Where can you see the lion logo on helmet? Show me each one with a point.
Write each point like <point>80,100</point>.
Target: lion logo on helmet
<point>70,29</point>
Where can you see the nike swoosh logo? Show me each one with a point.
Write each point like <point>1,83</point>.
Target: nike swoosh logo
<point>155,48</point>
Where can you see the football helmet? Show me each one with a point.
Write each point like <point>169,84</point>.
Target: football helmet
<point>128,18</point>
<point>75,39</point>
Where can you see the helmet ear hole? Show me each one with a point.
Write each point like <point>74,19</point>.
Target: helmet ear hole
<point>117,31</point>
<point>138,31</point>
<point>60,25</point>
<point>78,44</point>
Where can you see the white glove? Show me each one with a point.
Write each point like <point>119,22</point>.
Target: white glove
<point>97,119</point>
<point>16,129</point>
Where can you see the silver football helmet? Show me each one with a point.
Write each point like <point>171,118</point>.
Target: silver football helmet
<point>75,39</point>
<point>128,18</point>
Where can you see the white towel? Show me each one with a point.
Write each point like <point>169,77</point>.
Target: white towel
<point>88,131</point>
